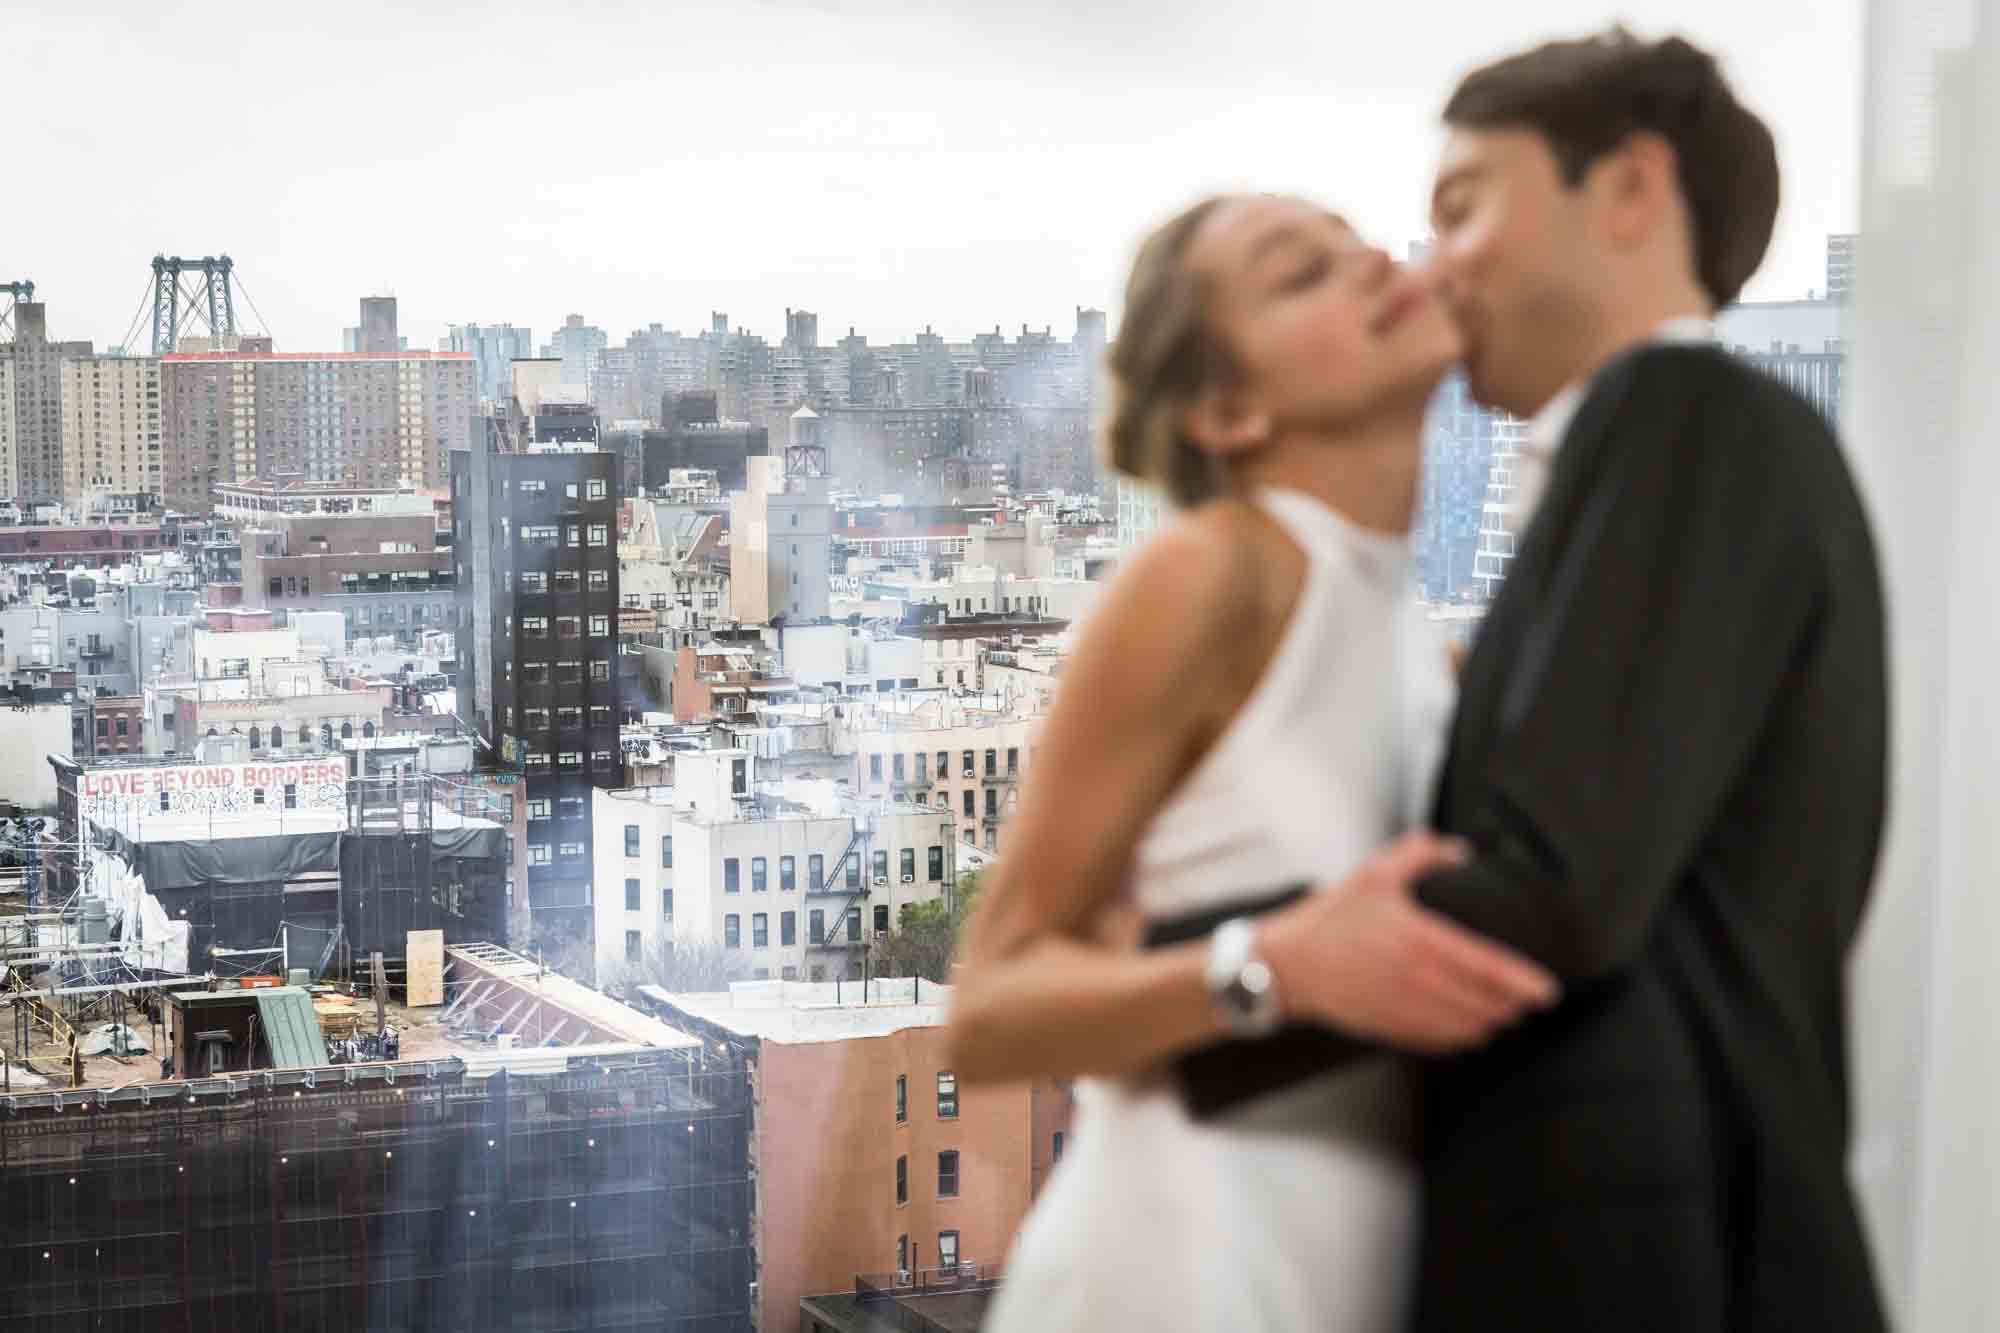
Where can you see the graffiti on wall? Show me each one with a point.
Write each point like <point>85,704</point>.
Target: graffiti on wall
<point>122,797</point>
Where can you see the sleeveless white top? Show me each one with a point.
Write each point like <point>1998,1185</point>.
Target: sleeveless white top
<point>1300,1211</point>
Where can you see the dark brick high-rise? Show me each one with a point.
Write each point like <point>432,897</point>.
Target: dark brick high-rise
<point>538,660</point>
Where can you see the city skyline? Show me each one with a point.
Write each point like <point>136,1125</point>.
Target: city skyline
<point>1025,154</point>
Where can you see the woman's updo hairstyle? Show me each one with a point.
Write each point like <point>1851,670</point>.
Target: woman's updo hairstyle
<point>1165,356</point>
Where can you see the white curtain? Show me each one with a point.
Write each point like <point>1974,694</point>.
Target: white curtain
<point>1925,432</point>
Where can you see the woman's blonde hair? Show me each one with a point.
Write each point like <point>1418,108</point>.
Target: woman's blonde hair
<point>1165,355</point>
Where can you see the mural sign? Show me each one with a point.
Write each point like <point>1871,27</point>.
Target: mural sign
<point>120,797</point>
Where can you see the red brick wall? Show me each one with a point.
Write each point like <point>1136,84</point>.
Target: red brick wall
<point>827,1145</point>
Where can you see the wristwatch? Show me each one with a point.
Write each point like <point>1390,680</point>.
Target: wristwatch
<point>1239,982</point>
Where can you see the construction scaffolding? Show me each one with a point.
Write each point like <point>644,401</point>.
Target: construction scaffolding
<point>612,1192</point>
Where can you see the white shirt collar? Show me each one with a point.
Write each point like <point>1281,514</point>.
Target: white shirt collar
<point>1548,426</point>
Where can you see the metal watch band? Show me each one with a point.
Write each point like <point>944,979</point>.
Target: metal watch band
<point>1239,982</point>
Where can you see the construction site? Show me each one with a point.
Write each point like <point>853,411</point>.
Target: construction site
<point>477,1142</point>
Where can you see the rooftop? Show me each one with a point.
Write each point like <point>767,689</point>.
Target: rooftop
<point>803,1012</point>
<point>576,1019</point>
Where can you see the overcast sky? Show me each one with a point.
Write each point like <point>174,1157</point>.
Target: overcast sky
<point>886,166</point>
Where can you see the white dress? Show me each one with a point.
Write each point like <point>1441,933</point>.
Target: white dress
<point>1299,1211</point>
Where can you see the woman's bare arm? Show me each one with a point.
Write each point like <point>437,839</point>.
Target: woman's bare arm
<point>1037,994</point>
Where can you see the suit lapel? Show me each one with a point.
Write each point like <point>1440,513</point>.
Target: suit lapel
<point>1513,629</point>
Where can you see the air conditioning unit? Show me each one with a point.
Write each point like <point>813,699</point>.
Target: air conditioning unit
<point>909,879</point>
<point>968,1269</point>
<point>970,773</point>
<point>903,1278</point>
<point>881,879</point>
<point>881,937</point>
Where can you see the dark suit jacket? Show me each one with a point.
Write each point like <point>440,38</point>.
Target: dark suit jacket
<point>1669,757</point>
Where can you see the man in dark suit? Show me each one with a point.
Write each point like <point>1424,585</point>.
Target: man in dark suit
<point>1670,750</point>
<point>1669,756</point>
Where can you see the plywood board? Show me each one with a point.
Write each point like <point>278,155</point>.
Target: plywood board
<point>424,968</point>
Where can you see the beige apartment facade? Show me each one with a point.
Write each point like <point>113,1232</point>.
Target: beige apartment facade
<point>111,433</point>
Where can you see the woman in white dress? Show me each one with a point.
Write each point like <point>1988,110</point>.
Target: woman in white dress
<point>1253,704</point>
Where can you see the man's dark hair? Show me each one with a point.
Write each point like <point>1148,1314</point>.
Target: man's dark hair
<point>1585,97</point>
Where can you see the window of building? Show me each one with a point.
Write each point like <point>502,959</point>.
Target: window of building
<point>538,854</point>
<point>815,873</point>
<point>760,931</point>
<point>1056,1147</point>
<point>569,807</point>
<point>1013,760</point>
<point>535,719</point>
<point>291,796</point>
<point>569,851</point>
<point>968,805</point>
<point>759,877</point>
<point>947,1178</point>
<point>632,946</point>
<point>902,1242</point>
<point>943,765</point>
<point>947,1096</point>
<point>970,771</point>
<point>600,715</point>
<point>575,534</point>
<point>853,871</point>
<point>854,925</point>
<point>731,882</point>
<point>948,1247</point>
<point>935,864</point>
<point>600,580</point>
<point>277,734</point>
<point>788,929</point>
<point>631,840</point>
<point>569,627</point>
<point>600,626</point>
<point>534,673</point>
<point>667,850</point>
<point>569,761</point>
<point>992,802</point>
<point>566,580</point>
<point>732,931</point>
<point>594,489</point>
<point>600,671</point>
<point>569,718</point>
<point>881,859</point>
<point>896,768</point>
<point>667,904</point>
<point>631,895</point>
<point>600,534</point>
<point>788,877</point>
<point>569,673</point>
<point>163,810</point>
<point>104,727</point>
<point>874,768</point>
<point>534,627</point>
<point>538,809</point>
<point>535,761</point>
<point>992,763</point>
<point>815,923</point>
<point>257,796</point>
<point>902,1098</point>
<point>534,582</point>
<point>907,864</point>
